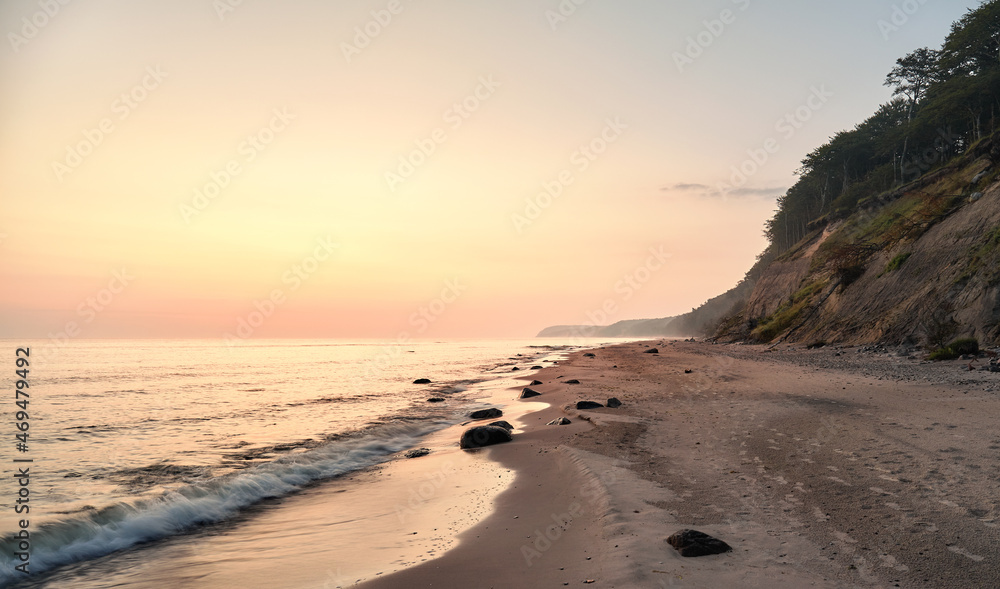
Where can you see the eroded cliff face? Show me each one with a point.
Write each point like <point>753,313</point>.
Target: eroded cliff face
<point>920,264</point>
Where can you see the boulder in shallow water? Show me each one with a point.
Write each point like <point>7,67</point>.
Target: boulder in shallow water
<point>484,435</point>
<point>491,413</point>
<point>503,424</point>
<point>418,452</point>
<point>614,403</point>
<point>560,421</point>
<point>529,393</point>
<point>695,543</point>
<point>588,405</point>
<point>422,381</point>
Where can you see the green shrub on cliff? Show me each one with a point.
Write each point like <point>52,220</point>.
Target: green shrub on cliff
<point>944,102</point>
<point>959,347</point>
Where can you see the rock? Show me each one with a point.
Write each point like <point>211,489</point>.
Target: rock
<point>688,371</point>
<point>560,421</point>
<point>537,367</point>
<point>571,381</point>
<point>435,400</point>
<point>484,435</point>
<point>589,355</point>
<point>980,176</point>
<point>651,351</point>
<point>503,424</point>
<point>491,413</point>
<point>418,452</point>
<point>529,393</point>
<point>614,403</point>
<point>422,381</point>
<point>514,368</point>
<point>535,383</point>
<point>975,196</point>
<point>588,405</point>
<point>695,543</point>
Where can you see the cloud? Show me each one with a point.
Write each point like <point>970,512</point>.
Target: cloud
<point>707,191</point>
<point>686,187</point>
<point>757,191</point>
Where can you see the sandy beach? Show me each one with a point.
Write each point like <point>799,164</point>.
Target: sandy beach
<point>852,467</point>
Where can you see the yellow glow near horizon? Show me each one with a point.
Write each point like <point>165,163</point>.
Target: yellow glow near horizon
<point>209,154</point>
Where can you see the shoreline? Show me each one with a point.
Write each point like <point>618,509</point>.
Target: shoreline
<point>823,468</point>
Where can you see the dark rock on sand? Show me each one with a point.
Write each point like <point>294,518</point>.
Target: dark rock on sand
<point>571,381</point>
<point>535,383</point>
<point>484,435</point>
<point>537,367</point>
<point>514,368</point>
<point>614,403</point>
<point>589,355</point>
<point>651,351</point>
<point>688,371</point>
<point>588,405</point>
<point>503,424</point>
<point>435,400</point>
<point>529,393</point>
<point>695,543</point>
<point>491,413</point>
<point>560,421</point>
<point>422,381</point>
<point>418,452</point>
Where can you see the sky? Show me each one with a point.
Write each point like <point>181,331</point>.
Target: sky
<point>409,169</point>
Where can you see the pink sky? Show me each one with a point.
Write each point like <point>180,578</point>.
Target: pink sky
<point>467,169</point>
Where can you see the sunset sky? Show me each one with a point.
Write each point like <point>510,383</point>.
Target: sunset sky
<point>440,169</point>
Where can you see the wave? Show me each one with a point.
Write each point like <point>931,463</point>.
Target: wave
<point>124,525</point>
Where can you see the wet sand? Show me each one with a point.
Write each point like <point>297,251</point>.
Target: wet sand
<point>827,468</point>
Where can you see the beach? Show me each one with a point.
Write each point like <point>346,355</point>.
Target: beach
<point>834,467</point>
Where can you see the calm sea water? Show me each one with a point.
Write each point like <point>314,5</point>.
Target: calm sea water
<point>137,441</point>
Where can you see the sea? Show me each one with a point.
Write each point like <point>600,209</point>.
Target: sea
<point>145,446</point>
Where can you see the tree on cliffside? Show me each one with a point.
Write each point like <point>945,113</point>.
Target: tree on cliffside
<point>944,101</point>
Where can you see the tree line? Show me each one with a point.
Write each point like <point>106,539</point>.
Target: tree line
<point>944,100</point>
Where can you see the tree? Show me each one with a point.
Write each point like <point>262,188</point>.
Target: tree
<point>912,76</point>
<point>973,46</point>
